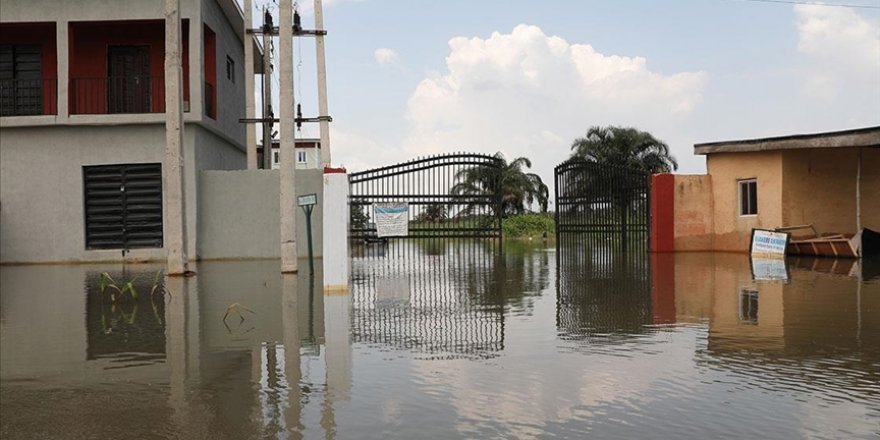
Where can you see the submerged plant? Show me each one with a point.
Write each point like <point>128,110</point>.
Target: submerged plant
<point>119,290</point>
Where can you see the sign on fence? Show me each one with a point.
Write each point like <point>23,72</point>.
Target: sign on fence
<point>392,219</point>
<point>768,244</point>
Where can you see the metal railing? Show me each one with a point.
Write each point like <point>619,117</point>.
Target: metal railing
<point>117,94</point>
<point>25,97</point>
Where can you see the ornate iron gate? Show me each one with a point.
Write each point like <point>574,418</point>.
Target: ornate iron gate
<point>441,202</point>
<point>603,205</point>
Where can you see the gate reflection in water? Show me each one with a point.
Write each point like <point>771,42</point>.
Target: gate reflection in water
<point>433,298</point>
<point>603,296</point>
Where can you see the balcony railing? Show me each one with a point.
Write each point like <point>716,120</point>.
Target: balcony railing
<point>25,97</point>
<point>117,94</point>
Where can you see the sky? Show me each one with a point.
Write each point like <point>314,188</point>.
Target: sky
<point>526,78</point>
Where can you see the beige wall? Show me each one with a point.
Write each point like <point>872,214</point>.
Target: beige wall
<point>694,226</point>
<point>819,187</point>
<point>732,231</point>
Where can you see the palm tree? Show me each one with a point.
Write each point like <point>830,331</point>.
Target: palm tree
<point>518,188</point>
<point>625,147</point>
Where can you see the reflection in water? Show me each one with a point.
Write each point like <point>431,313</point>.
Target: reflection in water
<point>453,342</point>
<point>602,296</point>
<point>431,302</point>
<point>131,330</point>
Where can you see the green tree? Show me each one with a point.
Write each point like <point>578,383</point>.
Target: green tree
<point>626,147</point>
<point>519,189</point>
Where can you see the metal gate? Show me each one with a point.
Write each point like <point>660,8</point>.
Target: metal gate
<point>603,205</point>
<point>452,196</point>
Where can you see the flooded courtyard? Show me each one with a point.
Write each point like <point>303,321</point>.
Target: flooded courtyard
<point>452,341</point>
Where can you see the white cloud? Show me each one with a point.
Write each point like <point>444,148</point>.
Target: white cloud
<point>529,94</point>
<point>841,50</point>
<point>385,55</point>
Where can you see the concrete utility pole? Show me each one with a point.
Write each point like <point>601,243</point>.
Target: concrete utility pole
<point>175,210</point>
<point>322,83</point>
<point>287,115</point>
<point>267,89</point>
<point>249,100</point>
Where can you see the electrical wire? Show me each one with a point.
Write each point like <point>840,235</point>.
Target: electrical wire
<point>796,2</point>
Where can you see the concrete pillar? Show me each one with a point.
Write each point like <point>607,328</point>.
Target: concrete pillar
<point>288,161</point>
<point>249,98</point>
<point>322,83</point>
<point>267,95</point>
<point>175,213</point>
<point>336,217</point>
<point>63,63</point>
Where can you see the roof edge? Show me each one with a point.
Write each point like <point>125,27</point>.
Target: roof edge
<point>859,137</point>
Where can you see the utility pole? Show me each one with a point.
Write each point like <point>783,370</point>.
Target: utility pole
<point>287,118</point>
<point>175,210</point>
<point>249,99</point>
<point>267,89</point>
<point>322,83</point>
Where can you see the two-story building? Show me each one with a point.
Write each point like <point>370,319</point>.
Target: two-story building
<point>82,124</point>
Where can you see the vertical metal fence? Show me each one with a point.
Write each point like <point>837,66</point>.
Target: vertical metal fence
<point>454,196</point>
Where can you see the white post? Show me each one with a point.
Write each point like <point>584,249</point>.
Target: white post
<point>249,98</point>
<point>288,161</point>
<point>322,84</point>
<point>336,217</point>
<point>63,78</point>
<point>175,213</point>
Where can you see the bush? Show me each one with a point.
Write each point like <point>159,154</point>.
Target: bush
<point>528,225</point>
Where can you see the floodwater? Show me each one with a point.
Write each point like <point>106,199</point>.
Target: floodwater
<point>450,342</point>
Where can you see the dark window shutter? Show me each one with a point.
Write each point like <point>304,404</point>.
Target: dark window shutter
<point>123,206</point>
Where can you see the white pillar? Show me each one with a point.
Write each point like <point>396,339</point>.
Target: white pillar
<point>175,212</point>
<point>288,161</point>
<point>322,84</point>
<point>63,77</point>
<point>249,98</point>
<point>336,217</point>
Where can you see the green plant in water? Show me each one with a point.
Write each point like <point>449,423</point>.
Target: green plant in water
<point>118,291</point>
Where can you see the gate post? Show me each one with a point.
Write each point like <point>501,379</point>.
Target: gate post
<point>336,229</point>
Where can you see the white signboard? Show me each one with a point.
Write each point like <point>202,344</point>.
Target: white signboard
<point>768,244</point>
<point>392,219</point>
<point>769,269</point>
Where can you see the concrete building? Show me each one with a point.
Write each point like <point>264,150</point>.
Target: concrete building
<point>770,183</point>
<point>82,124</point>
<point>308,154</point>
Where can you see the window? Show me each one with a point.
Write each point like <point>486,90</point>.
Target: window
<point>21,82</point>
<point>123,206</point>
<point>230,69</point>
<point>276,159</point>
<point>748,306</point>
<point>748,197</point>
<point>301,157</point>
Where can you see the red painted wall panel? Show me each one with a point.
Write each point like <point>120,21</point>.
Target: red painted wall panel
<point>662,213</point>
<point>211,70</point>
<point>89,42</point>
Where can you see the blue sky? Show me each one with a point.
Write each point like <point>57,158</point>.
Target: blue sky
<point>410,78</point>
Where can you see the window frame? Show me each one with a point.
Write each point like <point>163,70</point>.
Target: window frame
<point>305,157</point>
<point>740,184</point>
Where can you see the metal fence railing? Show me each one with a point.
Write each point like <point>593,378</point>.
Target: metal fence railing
<point>117,94</point>
<point>25,97</point>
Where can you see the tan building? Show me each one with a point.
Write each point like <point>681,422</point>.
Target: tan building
<point>770,183</point>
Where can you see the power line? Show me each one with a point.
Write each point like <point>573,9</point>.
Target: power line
<point>795,2</point>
